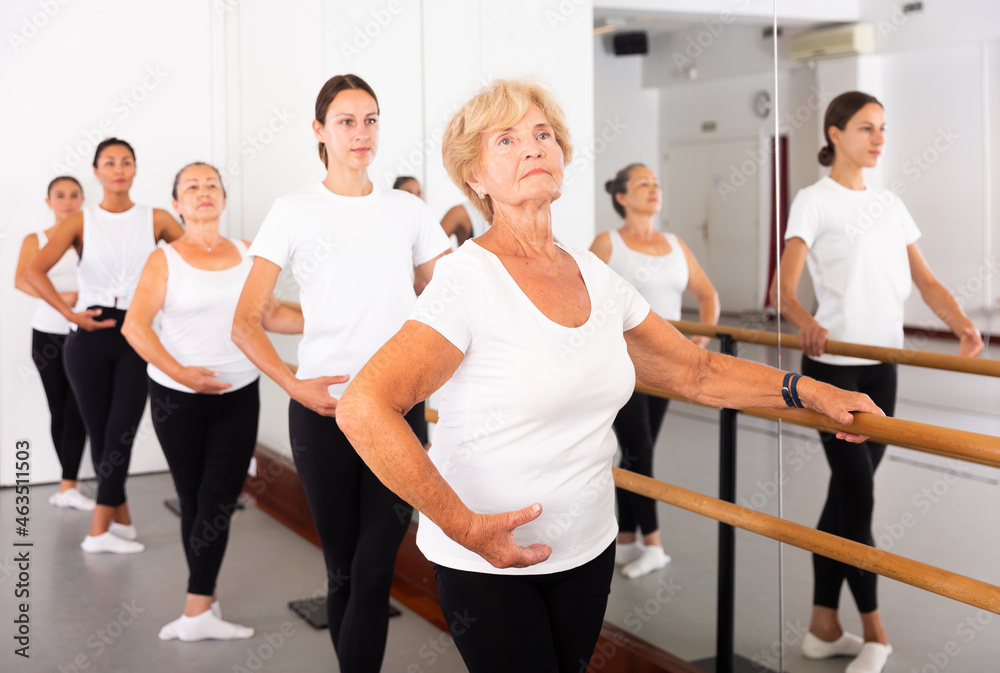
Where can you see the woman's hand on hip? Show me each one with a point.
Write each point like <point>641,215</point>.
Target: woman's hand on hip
<point>203,381</point>
<point>812,338</point>
<point>492,537</point>
<point>314,394</point>
<point>87,320</point>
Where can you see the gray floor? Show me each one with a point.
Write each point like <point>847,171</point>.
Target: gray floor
<point>102,613</point>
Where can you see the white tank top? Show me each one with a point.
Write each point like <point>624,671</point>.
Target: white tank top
<point>660,279</point>
<point>197,320</point>
<point>115,248</point>
<point>63,277</point>
<point>476,220</point>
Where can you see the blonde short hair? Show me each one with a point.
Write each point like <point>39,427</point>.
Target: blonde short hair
<point>500,105</point>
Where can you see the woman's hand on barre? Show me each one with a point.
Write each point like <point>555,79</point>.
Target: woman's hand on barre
<point>492,537</point>
<point>970,342</point>
<point>836,403</point>
<point>812,338</point>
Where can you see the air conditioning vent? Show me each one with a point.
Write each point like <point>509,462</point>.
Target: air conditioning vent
<point>848,40</point>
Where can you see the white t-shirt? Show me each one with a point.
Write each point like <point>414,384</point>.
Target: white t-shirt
<point>353,259</point>
<point>527,415</point>
<point>858,262</point>
<point>197,321</point>
<point>660,279</point>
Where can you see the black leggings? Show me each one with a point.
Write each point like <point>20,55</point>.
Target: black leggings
<point>208,441</point>
<point>361,524</point>
<point>68,432</point>
<point>851,497</point>
<point>109,381</point>
<point>527,623</point>
<point>637,425</point>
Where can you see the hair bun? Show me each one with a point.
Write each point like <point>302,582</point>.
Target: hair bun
<point>826,156</point>
<point>609,187</point>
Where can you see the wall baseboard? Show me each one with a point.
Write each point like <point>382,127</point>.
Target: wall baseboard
<point>277,491</point>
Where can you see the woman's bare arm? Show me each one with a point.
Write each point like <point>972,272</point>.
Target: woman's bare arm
<point>406,370</point>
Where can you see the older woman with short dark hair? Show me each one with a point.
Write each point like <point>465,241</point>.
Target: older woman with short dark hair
<point>535,348</point>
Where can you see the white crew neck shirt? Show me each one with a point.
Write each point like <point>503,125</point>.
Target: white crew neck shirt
<point>197,321</point>
<point>858,262</point>
<point>527,415</point>
<point>660,279</point>
<point>63,276</point>
<point>353,258</point>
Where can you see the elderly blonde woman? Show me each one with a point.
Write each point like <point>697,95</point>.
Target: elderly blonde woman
<point>535,347</point>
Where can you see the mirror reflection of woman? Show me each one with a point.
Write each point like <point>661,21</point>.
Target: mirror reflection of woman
<point>48,341</point>
<point>662,268</point>
<point>113,241</point>
<point>210,387</point>
<point>860,245</point>
<point>352,247</point>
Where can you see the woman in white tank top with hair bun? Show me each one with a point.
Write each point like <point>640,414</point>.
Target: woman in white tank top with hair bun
<point>113,241</point>
<point>206,383</point>
<point>48,340</point>
<point>661,268</point>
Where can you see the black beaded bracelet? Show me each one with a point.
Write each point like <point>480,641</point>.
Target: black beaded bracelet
<point>789,390</point>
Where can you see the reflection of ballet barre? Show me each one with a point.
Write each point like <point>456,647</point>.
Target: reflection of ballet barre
<point>921,575</point>
<point>902,356</point>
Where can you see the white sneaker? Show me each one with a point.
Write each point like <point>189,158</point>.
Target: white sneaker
<point>72,499</point>
<point>109,543</point>
<point>124,532</point>
<point>871,659</point>
<point>814,647</point>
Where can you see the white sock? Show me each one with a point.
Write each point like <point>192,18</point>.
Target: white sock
<point>125,532</point>
<point>207,626</point>
<point>627,552</point>
<point>109,543</point>
<point>172,630</point>
<point>652,558</point>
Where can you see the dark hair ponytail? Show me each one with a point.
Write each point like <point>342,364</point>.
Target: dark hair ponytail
<point>333,86</point>
<point>619,185</point>
<point>838,113</point>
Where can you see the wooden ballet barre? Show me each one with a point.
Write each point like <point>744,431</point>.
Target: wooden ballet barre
<point>921,575</point>
<point>969,446</point>
<point>954,363</point>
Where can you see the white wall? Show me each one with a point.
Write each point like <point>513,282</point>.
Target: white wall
<point>630,114</point>
<point>235,83</point>
<point>108,67</point>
